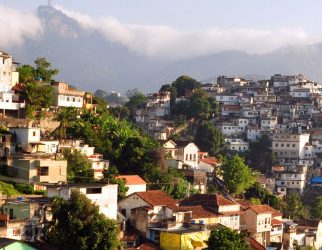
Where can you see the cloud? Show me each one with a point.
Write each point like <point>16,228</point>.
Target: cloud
<point>165,42</point>
<point>16,25</point>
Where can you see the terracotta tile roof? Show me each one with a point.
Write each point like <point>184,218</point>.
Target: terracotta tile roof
<point>158,198</point>
<point>243,203</point>
<point>199,212</point>
<point>209,160</point>
<point>148,246</point>
<point>265,209</point>
<point>132,179</point>
<point>213,200</point>
<point>309,223</point>
<point>255,245</point>
<point>276,222</point>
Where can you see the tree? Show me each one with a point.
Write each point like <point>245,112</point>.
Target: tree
<point>77,224</point>
<point>293,207</point>
<point>237,175</point>
<point>260,155</point>
<point>26,74</point>
<point>209,138</point>
<point>225,238</point>
<point>37,96</point>
<point>110,175</point>
<point>256,191</point>
<point>43,70</point>
<point>185,85</point>
<point>317,208</point>
<point>136,100</point>
<point>65,117</point>
<point>79,168</point>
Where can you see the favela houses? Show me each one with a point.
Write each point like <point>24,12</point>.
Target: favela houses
<point>176,125</point>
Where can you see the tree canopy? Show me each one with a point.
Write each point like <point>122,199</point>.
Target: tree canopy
<point>260,193</point>
<point>43,71</point>
<point>198,106</point>
<point>78,224</point>
<point>79,169</point>
<point>260,155</point>
<point>224,238</point>
<point>110,175</point>
<point>294,208</point>
<point>237,175</point>
<point>317,208</point>
<point>209,138</point>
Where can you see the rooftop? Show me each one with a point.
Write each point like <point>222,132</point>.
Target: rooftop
<point>132,179</point>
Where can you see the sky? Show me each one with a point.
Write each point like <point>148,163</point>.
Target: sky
<point>185,28</point>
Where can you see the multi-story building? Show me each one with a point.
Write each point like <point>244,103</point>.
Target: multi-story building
<point>67,96</point>
<point>103,195</point>
<point>291,146</point>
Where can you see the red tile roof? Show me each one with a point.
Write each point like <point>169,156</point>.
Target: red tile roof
<point>309,223</point>
<point>199,212</point>
<point>265,209</point>
<point>255,245</point>
<point>158,198</point>
<point>213,200</point>
<point>276,222</point>
<point>132,179</point>
<point>209,160</point>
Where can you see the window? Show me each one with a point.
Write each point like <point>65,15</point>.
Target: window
<point>34,133</point>
<point>93,190</point>
<point>43,171</point>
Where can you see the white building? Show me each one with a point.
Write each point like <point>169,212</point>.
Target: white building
<point>237,145</point>
<point>103,195</point>
<point>8,73</point>
<point>67,96</point>
<point>268,123</point>
<point>98,165</point>
<point>134,182</point>
<point>227,99</point>
<point>253,133</point>
<point>26,136</point>
<point>292,146</point>
<point>228,129</point>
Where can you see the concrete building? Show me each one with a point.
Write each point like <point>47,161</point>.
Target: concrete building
<point>291,146</point>
<point>67,96</point>
<point>36,169</point>
<point>103,195</point>
<point>134,182</point>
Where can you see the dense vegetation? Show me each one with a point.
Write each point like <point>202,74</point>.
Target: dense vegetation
<point>78,224</point>
<point>225,238</point>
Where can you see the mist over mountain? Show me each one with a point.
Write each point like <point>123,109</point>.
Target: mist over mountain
<point>89,61</point>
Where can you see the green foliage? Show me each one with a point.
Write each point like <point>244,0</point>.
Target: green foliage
<point>317,208</point>
<point>170,181</point>
<point>198,106</point>
<point>260,154</point>
<point>185,85</point>
<point>24,188</point>
<point>65,116</point>
<point>37,96</point>
<point>209,138</point>
<point>118,140</point>
<point>293,207</point>
<point>43,70</point>
<point>110,175</point>
<point>136,100</point>
<point>120,112</point>
<point>255,201</point>
<point>225,238</point>
<point>237,175</point>
<point>79,168</point>
<point>101,105</point>
<point>26,74</point>
<point>8,189</point>
<point>212,189</point>
<point>256,191</point>
<point>77,224</point>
